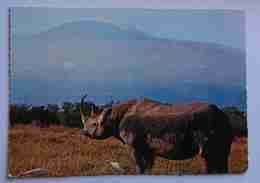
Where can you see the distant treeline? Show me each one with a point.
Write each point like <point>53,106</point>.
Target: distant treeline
<point>69,115</point>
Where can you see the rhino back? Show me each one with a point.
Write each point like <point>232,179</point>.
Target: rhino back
<point>157,118</point>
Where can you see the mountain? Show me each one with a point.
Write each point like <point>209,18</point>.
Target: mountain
<point>89,30</point>
<point>105,59</point>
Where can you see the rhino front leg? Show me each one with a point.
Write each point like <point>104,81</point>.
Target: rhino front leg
<point>141,153</point>
<point>144,158</point>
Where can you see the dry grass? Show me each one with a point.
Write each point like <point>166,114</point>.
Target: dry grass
<point>64,152</point>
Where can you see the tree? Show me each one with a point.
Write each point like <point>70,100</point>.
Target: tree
<point>71,115</point>
<point>53,108</point>
<point>67,107</point>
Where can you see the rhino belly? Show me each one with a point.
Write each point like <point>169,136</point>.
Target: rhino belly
<point>175,147</point>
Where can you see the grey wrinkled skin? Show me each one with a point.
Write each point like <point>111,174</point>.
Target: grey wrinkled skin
<point>175,132</point>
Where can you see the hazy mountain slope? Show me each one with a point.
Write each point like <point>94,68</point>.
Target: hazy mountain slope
<point>89,29</point>
<point>103,59</point>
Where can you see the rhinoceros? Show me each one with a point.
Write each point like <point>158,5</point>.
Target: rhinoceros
<point>175,132</point>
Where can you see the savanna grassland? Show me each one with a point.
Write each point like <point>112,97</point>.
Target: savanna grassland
<point>65,152</point>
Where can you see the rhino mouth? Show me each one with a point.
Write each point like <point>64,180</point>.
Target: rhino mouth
<point>100,137</point>
<point>85,133</point>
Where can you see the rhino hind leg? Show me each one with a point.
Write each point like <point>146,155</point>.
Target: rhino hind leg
<point>217,165</point>
<point>217,157</point>
<point>217,148</point>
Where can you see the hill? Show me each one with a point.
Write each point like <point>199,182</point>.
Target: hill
<point>103,59</point>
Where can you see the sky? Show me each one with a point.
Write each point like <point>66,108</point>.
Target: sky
<point>225,27</point>
<point>57,56</point>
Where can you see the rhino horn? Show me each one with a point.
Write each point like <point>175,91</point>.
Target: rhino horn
<point>83,117</point>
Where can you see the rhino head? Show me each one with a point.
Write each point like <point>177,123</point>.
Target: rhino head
<point>99,124</point>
